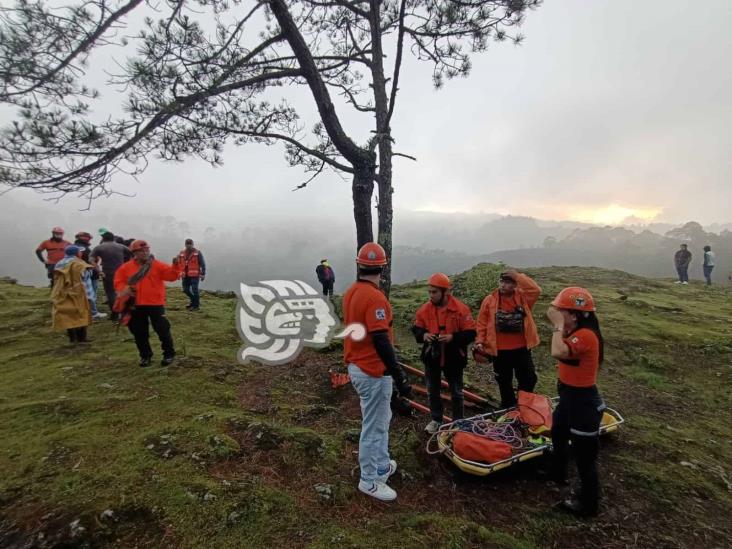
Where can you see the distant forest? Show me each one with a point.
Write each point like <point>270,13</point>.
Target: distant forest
<point>261,249</point>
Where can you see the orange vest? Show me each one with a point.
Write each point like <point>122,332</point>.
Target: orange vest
<point>190,264</point>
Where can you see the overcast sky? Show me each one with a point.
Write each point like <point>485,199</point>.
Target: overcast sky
<point>610,108</point>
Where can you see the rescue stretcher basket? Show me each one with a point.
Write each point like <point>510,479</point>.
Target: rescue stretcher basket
<point>611,422</point>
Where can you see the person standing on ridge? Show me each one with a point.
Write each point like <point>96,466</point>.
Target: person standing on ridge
<point>373,369</point>
<point>682,260</point>
<point>507,333</point>
<point>112,256</point>
<point>708,266</point>
<point>193,268</point>
<point>83,241</point>
<point>54,248</point>
<point>578,345</point>
<point>326,276</point>
<point>143,279</point>
<point>70,295</point>
<point>445,327</point>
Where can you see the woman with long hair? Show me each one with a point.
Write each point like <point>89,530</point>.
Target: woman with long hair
<point>578,345</point>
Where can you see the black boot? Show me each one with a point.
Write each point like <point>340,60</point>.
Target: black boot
<point>167,360</point>
<point>145,361</point>
<point>71,332</point>
<point>577,508</point>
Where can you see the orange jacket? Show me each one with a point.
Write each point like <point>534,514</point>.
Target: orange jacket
<point>454,318</point>
<point>527,293</point>
<point>151,289</point>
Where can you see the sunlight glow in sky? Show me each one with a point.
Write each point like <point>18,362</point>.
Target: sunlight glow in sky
<point>614,214</point>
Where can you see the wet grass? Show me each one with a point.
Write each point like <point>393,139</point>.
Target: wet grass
<point>211,453</point>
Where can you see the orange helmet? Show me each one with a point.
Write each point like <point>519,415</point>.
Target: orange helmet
<point>439,280</point>
<point>575,298</point>
<point>371,254</point>
<point>139,245</point>
<point>57,230</point>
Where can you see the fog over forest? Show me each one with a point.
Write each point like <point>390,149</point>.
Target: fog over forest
<point>291,246</point>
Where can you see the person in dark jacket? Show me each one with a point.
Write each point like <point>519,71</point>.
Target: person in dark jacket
<point>326,276</point>
<point>194,271</point>
<point>445,327</point>
<point>682,260</point>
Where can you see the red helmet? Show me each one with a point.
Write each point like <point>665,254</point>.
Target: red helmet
<point>139,245</point>
<point>574,298</point>
<point>57,230</point>
<point>439,280</point>
<point>84,235</point>
<point>371,254</point>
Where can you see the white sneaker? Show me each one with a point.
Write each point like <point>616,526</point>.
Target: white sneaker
<point>392,469</point>
<point>677,282</point>
<point>377,490</point>
<point>684,282</point>
<point>99,315</point>
<point>432,427</point>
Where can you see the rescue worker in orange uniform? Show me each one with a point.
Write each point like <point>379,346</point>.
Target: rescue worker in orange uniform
<point>143,277</point>
<point>578,345</point>
<point>507,333</point>
<point>193,268</point>
<point>54,248</point>
<point>445,327</point>
<point>373,369</point>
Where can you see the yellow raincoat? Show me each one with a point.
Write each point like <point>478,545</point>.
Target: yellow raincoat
<point>70,305</point>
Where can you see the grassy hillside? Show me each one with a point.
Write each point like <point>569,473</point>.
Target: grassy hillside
<point>98,452</point>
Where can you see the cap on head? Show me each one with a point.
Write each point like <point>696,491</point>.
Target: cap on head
<point>72,250</point>
<point>139,245</point>
<point>83,235</point>
<point>324,260</point>
<point>108,237</point>
<point>371,254</point>
<point>575,299</point>
<point>57,230</point>
<point>684,245</point>
<point>102,231</point>
<point>439,280</point>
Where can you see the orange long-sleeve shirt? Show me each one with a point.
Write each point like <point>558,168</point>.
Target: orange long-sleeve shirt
<point>151,289</point>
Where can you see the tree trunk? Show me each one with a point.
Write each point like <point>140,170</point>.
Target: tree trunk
<point>363,189</point>
<point>383,137</point>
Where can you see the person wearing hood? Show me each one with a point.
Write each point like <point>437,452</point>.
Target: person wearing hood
<point>70,295</point>
<point>326,276</point>
<point>507,333</point>
<point>54,248</point>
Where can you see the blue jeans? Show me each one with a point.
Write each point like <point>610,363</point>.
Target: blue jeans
<point>190,288</point>
<point>683,272</point>
<point>708,273</point>
<point>93,299</point>
<point>373,446</point>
